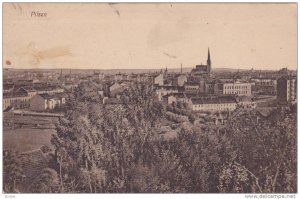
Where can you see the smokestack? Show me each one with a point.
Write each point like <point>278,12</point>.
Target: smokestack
<point>181,69</point>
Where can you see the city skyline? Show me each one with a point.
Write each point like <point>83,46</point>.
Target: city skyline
<point>154,36</point>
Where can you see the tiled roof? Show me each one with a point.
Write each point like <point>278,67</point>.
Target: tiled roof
<point>214,100</point>
<point>8,86</point>
<point>46,88</point>
<point>191,84</point>
<point>15,94</point>
<point>53,96</point>
<point>46,96</point>
<point>168,87</point>
<point>179,95</point>
<point>28,88</point>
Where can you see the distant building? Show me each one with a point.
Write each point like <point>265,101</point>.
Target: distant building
<point>233,87</point>
<point>286,90</point>
<point>120,77</point>
<point>45,101</point>
<point>132,77</point>
<point>98,76</point>
<point>117,88</point>
<point>49,89</point>
<point>264,80</point>
<point>212,104</point>
<point>246,102</point>
<point>209,86</point>
<point>30,91</point>
<point>179,80</point>
<point>158,79</point>
<point>176,97</point>
<point>24,82</point>
<point>191,87</point>
<point>165,90</point>
<point>202,71</point>
<point>8,87</point>
<point>18,100</point>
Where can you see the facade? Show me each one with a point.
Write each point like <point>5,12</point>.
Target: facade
<point>45,101</point>
<point>30,91</point>
<point>286,90</point>
<point>176,97</point>
<point>191,87</point>
<point>165,90</point>
<point>265,86</point>
<point>264,81</point>
<point>159,79</point>
<point>233,87</point>
<point>209,87</point>
<point>212,104</point>
<point>48,89</point>
<point>19,100</point>
<point>180,80</point>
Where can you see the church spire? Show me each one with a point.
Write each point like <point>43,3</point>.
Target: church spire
<point>208,58</point>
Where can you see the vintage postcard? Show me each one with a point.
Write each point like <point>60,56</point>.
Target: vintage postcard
<point>150,98</point>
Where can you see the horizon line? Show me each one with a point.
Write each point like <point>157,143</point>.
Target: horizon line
<point>3,68</point>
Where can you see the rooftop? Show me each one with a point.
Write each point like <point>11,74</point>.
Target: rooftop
<point>191,84</point>
<point>214,100</point>
<point>15,94</point>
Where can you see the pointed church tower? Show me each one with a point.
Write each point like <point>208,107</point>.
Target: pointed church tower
<point>208,61</point>
<point>208,58</point>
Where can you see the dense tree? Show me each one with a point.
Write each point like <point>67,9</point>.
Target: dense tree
<point>117,148</point>
<point>12,171</point>
<point>266,148</point>
<point>46,182</point>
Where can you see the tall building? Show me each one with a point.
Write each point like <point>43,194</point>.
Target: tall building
<point>232,87</point>
<point>202,71</point>
<point>286,90</point>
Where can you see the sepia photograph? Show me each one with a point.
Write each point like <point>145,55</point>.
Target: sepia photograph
<point>149,98</point>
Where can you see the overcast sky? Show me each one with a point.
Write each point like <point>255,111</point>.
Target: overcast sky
<point>113,36</point>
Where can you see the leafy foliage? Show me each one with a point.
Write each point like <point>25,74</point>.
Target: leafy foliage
<point>117,148</point>
<point>12,171</point>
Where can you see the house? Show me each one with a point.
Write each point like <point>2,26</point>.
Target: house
<point>49,89</point>
<point>176,97</point>
<point>30,91</point>
<point>286,90</point>
<point>8,87</point>
<point>164,90</point>
<point>264,80</point>
<point>212,104</point>
<point>158,79</point>
<point>41,102</point>
<point>179,80</point>
<point>191,86</point>
<point>116,88</point>
<point>233,87</point>
<point>246,102</point>
<point>19,100</point>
